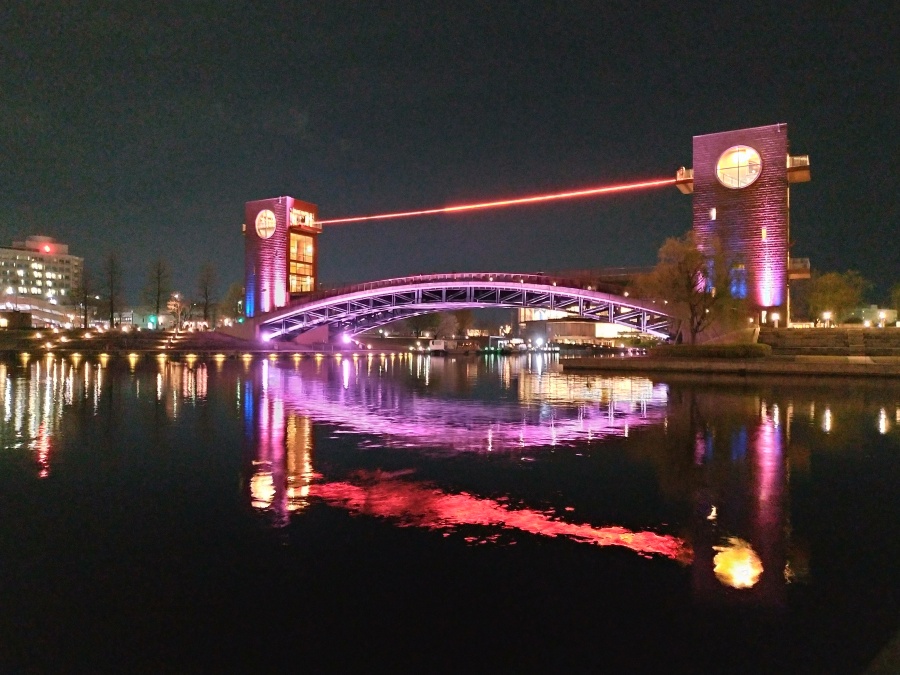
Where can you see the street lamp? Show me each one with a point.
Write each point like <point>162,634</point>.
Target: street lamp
<point>827,317</point>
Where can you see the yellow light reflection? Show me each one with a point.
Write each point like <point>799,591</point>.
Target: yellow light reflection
<point>262,490</point>
<point>736,564</point>
<point>883,424</point>
<point>827,422</point>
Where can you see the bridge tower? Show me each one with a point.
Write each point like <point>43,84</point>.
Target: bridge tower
<point>741,189</point>
<point>280,252</point>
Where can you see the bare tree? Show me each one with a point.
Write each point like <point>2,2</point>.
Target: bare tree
<point>464,320</point>
<point>423,323</point>
<point>112,283</point>
<point>84,295</point>
<point>232,303</point>
<point>447,325</point>
<point>206,290</point>
<point>179,307</point>
<point>159,285</point>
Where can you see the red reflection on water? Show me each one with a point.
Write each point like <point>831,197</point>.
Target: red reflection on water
<point>420,505</point>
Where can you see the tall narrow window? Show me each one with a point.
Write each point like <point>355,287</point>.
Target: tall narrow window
<point>301,258</point>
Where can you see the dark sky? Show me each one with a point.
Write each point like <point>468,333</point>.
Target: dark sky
<point>144,127</point>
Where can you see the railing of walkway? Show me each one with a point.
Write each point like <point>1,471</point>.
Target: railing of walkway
<point>487,277</point>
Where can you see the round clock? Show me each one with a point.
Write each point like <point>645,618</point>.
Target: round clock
<point>265,224</point>
<point>738,167</point>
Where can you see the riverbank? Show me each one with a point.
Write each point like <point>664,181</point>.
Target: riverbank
<point>816,366</point>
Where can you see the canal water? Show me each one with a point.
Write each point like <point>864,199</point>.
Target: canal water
<point>448,514</point>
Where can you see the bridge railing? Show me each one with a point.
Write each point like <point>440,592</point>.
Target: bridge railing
<point>487,277</point>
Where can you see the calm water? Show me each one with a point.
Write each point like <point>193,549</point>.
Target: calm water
<point>443,514</point>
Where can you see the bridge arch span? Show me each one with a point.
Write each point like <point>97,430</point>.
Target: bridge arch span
<point>369,305</point>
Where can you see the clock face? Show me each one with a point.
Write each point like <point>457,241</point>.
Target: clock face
<point>265,224</point>
<point>738,167</point>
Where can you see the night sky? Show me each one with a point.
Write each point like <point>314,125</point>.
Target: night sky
<point>144,127</point>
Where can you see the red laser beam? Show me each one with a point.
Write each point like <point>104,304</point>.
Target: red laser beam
<point>506,202</point>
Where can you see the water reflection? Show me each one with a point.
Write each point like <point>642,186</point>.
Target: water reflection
<point>736,564</point>
<point>684,471</point>
<point>36,393</point>
<point>413,503</point>
<point>735,479</point>
<point>33,398</point>
<point>562,409</point>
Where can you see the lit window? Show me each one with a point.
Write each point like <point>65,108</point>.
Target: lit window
<point>738,282</point>
<point>712,213</point>
<point>301,248</point>
<point>764,234</point>
<point>738,167</point>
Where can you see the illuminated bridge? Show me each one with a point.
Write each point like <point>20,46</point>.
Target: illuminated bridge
<point>370,305</point>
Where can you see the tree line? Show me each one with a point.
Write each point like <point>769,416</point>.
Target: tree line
<point>701,287</point>
<point>102,294</point>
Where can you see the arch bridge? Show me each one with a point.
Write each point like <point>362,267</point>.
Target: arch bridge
<point>369,305</point>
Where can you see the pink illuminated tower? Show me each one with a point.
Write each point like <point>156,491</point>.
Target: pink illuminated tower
<point>280,252</point>
<point>741,186</point>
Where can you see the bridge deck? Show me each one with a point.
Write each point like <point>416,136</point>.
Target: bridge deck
<point>371,304</point>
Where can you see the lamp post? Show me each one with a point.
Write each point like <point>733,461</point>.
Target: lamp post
<point>827,317</point>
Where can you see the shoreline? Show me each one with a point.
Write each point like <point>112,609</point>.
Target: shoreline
<point>831,366</point>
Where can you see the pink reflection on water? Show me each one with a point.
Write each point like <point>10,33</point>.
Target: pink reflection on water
<point>42,445</point>
<point>421,505</point>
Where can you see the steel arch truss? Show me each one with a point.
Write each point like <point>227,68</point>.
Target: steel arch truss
<point>371,305</point>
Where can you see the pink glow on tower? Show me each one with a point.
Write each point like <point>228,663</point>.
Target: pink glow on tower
<point>748,213</point>
<point>274,258</point>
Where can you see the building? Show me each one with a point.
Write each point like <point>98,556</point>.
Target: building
<point>740,183</point>
<point>39,269</point>
<point>574,331</point>
<point>280,252</point>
